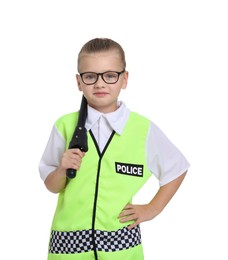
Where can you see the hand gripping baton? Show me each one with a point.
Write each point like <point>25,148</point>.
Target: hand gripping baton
<point>79,138</point>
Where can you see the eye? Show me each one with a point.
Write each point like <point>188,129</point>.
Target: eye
<point>110,75</point>
<point>89,76</point>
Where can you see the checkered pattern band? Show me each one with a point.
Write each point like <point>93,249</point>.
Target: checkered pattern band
<point>82,241</point>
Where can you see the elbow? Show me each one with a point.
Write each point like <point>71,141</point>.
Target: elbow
<point>52,188</point>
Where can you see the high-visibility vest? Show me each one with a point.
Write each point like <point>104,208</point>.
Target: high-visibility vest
<point>86,224</point>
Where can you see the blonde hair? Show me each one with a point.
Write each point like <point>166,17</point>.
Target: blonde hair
<point>102,44</point>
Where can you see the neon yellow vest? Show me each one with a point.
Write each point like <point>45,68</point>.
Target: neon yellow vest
<point>85,224</point>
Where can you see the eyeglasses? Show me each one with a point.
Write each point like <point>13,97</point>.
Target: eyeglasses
<point>109,77</point>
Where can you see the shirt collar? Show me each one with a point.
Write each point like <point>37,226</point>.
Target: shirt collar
<point>117,119</point>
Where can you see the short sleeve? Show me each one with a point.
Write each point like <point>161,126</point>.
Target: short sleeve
<point>52,154</point>
<point>164,159</point>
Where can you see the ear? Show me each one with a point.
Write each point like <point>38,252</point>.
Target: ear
<point>78,79</point>
<point>125,79</point>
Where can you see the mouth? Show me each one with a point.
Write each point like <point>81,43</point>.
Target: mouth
<point>100,94</point>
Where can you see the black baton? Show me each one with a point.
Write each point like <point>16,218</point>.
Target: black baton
<point>79,138</point>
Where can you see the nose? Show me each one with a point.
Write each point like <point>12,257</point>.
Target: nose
<point>100,83</point>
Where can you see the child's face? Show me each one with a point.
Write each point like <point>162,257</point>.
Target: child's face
<point>100,95</point>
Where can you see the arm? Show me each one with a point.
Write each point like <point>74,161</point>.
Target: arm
<point>56,180</point>
<point>141,213</point>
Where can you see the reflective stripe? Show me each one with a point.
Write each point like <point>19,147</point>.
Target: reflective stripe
<point>73,242</point>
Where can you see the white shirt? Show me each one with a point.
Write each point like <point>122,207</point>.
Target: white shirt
<point>164,160</point>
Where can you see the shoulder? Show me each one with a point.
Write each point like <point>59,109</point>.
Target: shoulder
<point>137,123</point>
<point>138,115</point>
<point>138,118</point>
<point>66,124</point>
<point>67,119</point>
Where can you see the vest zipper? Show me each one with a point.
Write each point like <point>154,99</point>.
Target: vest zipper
<point>97,188</point>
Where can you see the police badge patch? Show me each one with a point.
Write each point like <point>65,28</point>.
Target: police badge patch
<point>129,169</point>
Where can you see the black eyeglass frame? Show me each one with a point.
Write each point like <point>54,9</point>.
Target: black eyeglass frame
<point>102,76</point>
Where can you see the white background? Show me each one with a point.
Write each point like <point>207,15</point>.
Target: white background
<point>178,63</point>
